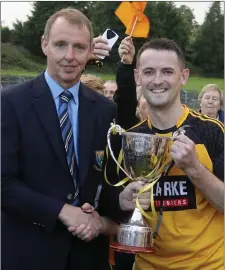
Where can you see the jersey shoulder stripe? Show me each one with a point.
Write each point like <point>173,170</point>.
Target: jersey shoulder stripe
<point>207,119</point>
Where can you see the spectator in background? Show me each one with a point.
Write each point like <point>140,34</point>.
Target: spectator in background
<point>110,89</point>
<point>126,95</point>
<point>101,48</point>
<point>93,82</point>
<point>131,105</point>
<point>211,101</point>
<point>142,108</point>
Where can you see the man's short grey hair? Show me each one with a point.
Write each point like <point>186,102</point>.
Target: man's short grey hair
<point>214,87</point>
<point>73,16</point>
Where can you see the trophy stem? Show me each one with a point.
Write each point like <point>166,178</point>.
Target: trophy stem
<point>137,219</point>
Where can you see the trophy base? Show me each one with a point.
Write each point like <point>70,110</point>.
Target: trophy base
<point>136,234</point>
<point>131,249</point>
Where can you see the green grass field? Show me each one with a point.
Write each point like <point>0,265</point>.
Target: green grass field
<point>194,84</point>
<point>21,73</point>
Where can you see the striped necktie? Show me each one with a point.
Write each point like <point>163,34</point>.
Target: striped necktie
<point>67,135</point>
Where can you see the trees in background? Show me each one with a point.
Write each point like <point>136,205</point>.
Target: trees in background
<point>6,34</point>
<point>29,33</point>
<point>203,45</point>
<point>209,43</point>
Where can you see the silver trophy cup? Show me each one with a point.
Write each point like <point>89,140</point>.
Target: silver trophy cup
<point>144,158</point>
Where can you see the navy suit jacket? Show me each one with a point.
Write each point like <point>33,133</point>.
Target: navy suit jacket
<point>36,181</point>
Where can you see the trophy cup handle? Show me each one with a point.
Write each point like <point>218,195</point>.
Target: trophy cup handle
<point>179,131</point>
<point>115,129</point>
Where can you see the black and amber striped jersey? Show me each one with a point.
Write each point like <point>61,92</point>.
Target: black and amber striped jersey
<point>191,233</point>
<point>203,131</point>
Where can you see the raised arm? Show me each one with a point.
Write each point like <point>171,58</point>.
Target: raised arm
<point>125,96</point>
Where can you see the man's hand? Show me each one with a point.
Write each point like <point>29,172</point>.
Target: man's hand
<point>184,155</point>
<point>73,216</point>
<point>103,225</point>
<point>100,48</point>
<point>89,231</point>
<point>127,197</point>
<point>126,50</point>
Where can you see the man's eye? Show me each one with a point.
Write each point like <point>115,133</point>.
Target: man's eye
<point>148,72</point>
<point>168,72</point>
<point>60,45</point>
<point>79,47</point>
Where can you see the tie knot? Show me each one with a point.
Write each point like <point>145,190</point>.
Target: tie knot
<point>66,96</point>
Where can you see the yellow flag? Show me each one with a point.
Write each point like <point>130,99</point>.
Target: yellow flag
<point>128,12</point>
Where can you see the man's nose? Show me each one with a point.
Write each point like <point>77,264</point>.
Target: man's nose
<point>70,54</point>
<point>157,79</point>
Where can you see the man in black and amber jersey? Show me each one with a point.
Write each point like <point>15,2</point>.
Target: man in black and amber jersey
<point>192,194</point>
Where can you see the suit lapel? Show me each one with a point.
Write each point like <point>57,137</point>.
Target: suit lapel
<point>87,112</point>
<point>45,107</point>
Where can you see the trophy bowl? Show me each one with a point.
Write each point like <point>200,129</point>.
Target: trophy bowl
<point>143,153</point>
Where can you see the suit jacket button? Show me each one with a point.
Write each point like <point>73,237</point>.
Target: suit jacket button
<point>70,196</point>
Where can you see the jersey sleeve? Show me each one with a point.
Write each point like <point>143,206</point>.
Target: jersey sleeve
<point>216,148</point>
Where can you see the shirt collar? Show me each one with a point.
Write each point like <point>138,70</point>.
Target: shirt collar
<point>56,88</point>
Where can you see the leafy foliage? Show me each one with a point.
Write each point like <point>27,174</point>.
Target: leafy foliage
<point>6,34</point>
<point>209,44</point>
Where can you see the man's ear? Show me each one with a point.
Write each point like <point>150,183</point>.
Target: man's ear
<point>91,56</point>
<point>44,45</point>
<point>184,76</point>
<point>137,77</point>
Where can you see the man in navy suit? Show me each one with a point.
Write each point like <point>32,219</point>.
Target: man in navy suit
<point>53,140</point>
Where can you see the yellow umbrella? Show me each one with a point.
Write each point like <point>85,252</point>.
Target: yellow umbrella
<point>133,17</point>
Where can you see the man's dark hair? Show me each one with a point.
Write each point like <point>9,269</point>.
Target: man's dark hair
<point>162,44</point>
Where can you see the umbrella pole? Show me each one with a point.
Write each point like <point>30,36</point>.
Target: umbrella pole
<point>131,33</point>
<point>133,26</point>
